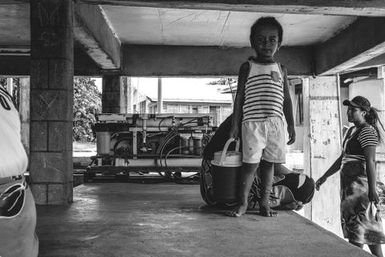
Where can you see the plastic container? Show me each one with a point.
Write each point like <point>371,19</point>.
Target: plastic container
<point>225,168</point>
<point>197,145</point>
<point>103,139</point>
<point>191,145</point>
<point>184,144</point>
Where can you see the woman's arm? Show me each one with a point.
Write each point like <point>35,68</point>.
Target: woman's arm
<point>288,108</point>
<point>370,158</point>
<point>332,170</point>
<point>239,99</point>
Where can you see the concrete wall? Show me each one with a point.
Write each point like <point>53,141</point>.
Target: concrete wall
<point>322,146</point>
<point>371,88</point>
<point>299,128</point>
<point>374,90</point>
<point>344,93</point>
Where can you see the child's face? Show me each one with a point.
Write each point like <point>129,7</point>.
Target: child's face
<point>266,41</point>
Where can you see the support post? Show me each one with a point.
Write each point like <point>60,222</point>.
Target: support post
<point>322,146</point>
<point>114,93</point>
<point>130,93</point>
<point>51,168</point>
<point>159,106</point>
<point>380,155</point>
<point>125,95</point>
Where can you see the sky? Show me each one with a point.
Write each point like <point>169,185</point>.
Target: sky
<point>178,88</point>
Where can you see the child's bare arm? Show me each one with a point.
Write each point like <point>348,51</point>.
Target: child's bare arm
<point>288,108</point>
<point>239,99</point>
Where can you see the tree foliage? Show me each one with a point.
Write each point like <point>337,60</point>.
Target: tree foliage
<point>87,103</point>
<point>223,81</point>
<point>228,84</point>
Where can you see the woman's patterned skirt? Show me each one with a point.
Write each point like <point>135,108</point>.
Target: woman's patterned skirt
<point>360,219</point>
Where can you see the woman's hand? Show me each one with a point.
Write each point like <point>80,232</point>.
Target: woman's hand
<point>319,182</point>
<point>373,196</point>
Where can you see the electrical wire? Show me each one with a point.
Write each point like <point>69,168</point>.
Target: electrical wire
<point>160,122</point>
<point>172,134</point>
<point>191,179</point>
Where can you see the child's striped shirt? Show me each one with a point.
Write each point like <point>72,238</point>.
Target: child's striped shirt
<point>263,92</point>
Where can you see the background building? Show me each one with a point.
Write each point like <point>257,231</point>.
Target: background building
<point>181,95</point>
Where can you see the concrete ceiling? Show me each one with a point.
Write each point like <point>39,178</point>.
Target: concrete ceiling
<point>14,25</point>
<point>319,37</point>
<point>165,26</point>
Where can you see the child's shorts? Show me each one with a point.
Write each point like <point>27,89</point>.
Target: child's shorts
<point>264,140</point>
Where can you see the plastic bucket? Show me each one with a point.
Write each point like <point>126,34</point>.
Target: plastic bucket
<point>103,140</point>
<point>197,145</point>
<point>225,167</point>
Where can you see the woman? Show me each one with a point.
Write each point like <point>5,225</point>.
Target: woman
<point>361,222</point>
<point>17,207</point>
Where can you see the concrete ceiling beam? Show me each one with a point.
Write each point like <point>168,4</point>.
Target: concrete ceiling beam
<point>4,2</point>
<point>19,64</point>
<point>332,7</point>
<point>359,43</point>
<point>15,50</point>
<point>94,33</point>
<point>375,62</point>
<point>149,60</point>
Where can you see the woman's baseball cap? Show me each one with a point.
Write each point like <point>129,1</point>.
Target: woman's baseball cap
<point>358,102</point>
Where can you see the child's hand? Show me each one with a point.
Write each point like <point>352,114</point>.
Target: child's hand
<point>291,131</point>
<point>234,132</point>
<point>299,206</point>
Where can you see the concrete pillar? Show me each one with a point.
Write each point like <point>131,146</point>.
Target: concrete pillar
<point>51,101</point>
<point>130,98</point>
<point>159,106</point>
<point>322,146</point>
<point>114,94</point>
<point>125,95</point>
<point>380,156</point>
<point>24,111</point>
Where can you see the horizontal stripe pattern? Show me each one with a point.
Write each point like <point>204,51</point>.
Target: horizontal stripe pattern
<point>263,96</point>
<point>353,158</point>
<point>368,137</point>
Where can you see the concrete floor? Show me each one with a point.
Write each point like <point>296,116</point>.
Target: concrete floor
<point>141,220</point>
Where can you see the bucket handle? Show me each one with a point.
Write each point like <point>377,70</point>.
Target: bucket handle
<point>228,142</point>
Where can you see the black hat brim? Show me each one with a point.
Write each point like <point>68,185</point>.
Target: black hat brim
<point>350,103</point>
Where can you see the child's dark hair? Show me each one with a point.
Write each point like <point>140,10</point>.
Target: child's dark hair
<point>372,118</point>
<point>266,21</point>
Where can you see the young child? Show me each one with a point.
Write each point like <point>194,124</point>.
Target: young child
<point>261,102</point>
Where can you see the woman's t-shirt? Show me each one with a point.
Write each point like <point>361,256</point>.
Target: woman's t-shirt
<point>13,158</point>
<point>356,140</point>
